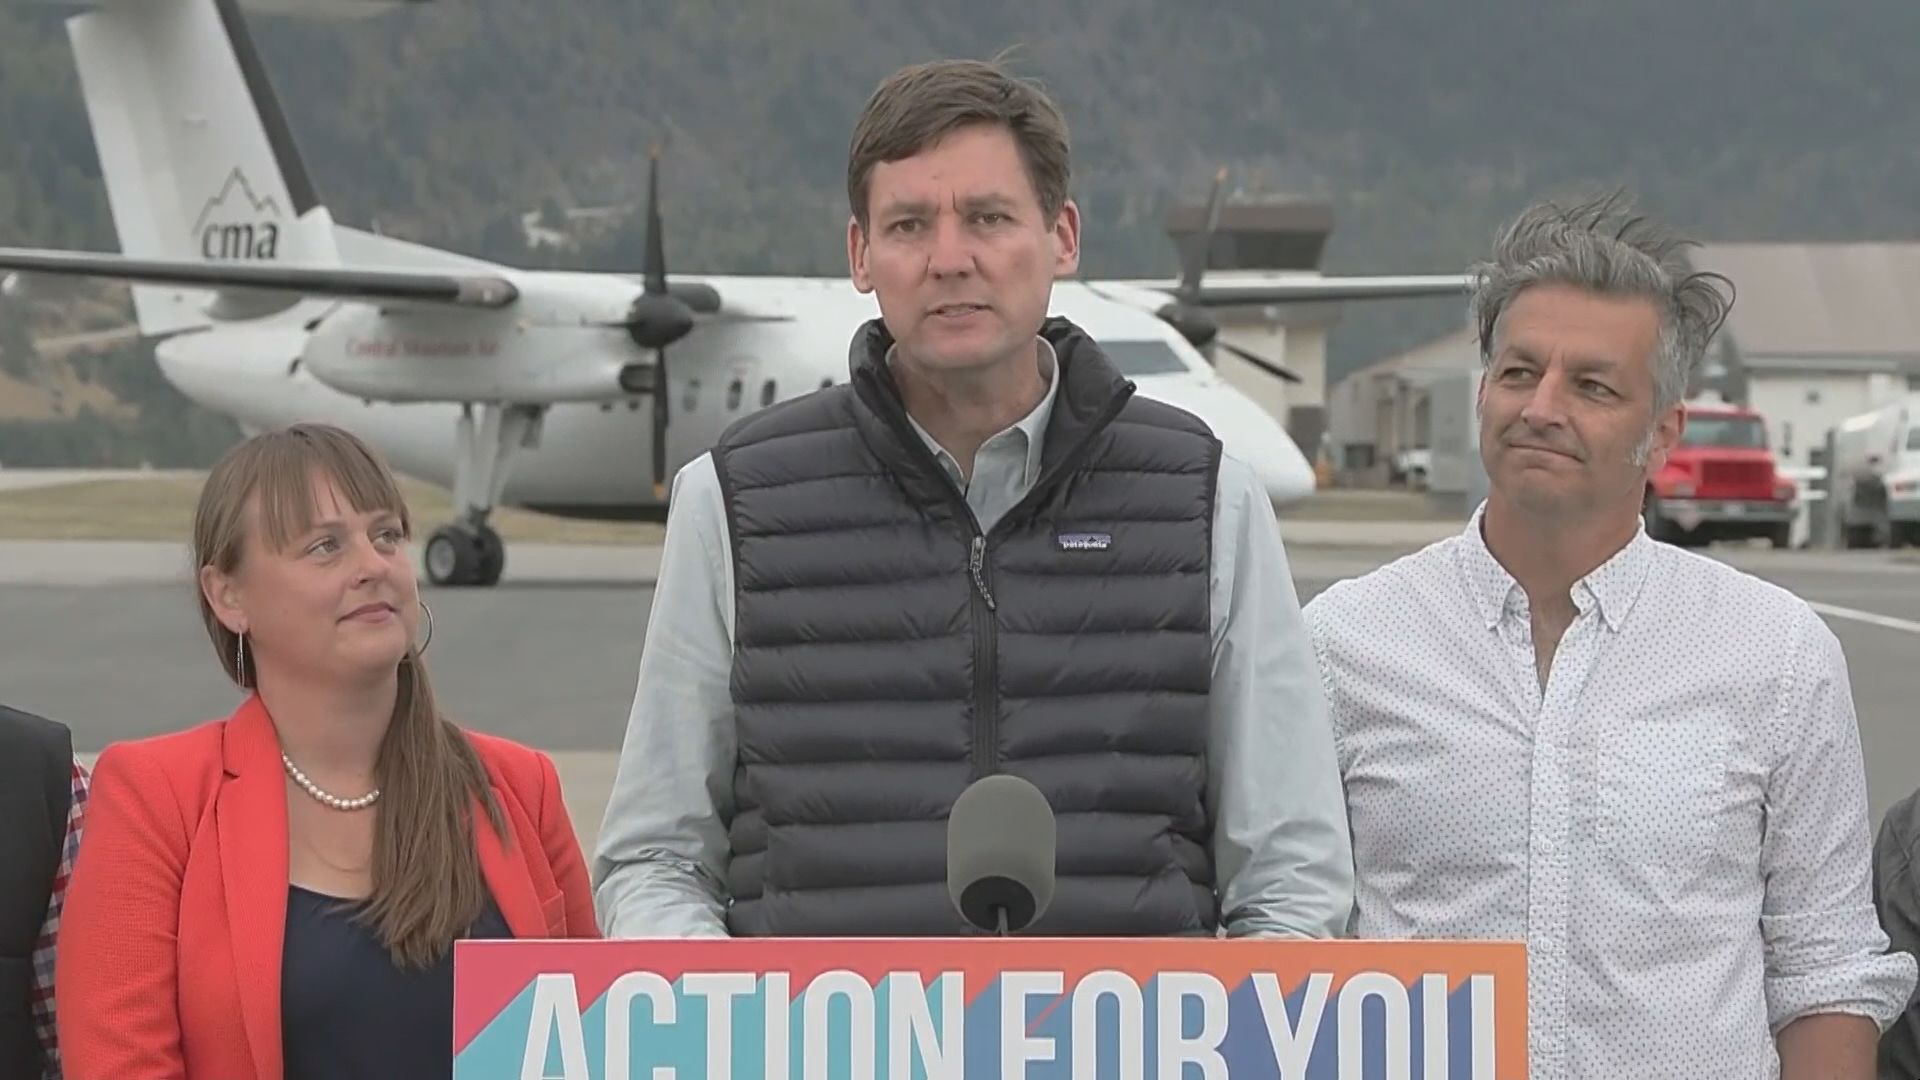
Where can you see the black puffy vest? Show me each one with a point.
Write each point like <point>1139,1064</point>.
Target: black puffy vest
<point>887,654</point>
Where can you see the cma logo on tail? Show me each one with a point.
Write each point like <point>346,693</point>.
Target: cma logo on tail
<point>236,224</point>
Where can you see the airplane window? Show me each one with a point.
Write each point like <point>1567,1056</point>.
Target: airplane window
<point>1913,438</point>
<point>826,382</point>
<point>733,395</point>
<point>1145,357</point>
<point>766,394</point>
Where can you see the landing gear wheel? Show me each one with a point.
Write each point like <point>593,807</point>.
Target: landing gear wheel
<point>464,555</point>
<point>493,556</point>
<point>487,439</point>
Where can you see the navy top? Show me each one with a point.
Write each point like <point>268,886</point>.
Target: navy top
<point>346,1010</point>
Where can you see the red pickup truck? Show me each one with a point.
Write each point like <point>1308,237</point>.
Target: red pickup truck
<point>1720,482</point>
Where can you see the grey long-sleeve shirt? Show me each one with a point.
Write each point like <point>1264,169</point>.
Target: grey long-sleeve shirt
<point>1281,849</point>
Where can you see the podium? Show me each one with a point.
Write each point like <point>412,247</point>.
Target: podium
<point>989,1007</point>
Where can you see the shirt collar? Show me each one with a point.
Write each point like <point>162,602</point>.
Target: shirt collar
<point>1613,586</point>
<point>1032,427</point>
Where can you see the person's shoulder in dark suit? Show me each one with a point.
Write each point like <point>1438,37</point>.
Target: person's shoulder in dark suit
<point>36,767</point>
<point>1897,895</point>
<point>43,793</point>
<point>48,741</point>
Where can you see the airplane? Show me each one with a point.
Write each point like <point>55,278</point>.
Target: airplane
<point>515,387</point>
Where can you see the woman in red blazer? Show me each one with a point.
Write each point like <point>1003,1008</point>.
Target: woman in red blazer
<point>274,896</point>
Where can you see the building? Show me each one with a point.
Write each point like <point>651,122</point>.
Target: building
<point>1819,332</point>
<point>1381,412</point>
<point>1264,234</point>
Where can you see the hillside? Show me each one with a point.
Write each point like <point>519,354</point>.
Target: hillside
<point>1782,119</point>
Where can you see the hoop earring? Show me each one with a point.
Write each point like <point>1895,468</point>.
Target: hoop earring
<point>422,650</point>
<point>240,660</point>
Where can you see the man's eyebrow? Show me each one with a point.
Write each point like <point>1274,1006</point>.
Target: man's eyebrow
<point>1579,365</point>
<point>990,201</point>
<point>900,207</point>
<point>922,207</point>
<point>1588,364</point>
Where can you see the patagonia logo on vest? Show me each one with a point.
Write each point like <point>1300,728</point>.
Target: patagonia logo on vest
<point>1084,541</point>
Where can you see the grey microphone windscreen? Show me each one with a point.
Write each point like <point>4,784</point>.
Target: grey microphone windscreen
<point>1000,853</point>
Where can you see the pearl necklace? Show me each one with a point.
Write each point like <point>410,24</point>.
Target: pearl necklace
<point>328,798</point>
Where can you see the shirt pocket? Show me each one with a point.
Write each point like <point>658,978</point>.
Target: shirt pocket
<point>1661,789</point>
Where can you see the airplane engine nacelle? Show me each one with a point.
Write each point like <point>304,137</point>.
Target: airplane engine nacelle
<point>464,357</point>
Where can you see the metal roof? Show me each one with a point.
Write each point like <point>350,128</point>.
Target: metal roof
<point>1847,302</point>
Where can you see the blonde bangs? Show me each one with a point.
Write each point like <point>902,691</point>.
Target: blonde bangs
<point>291,470</point>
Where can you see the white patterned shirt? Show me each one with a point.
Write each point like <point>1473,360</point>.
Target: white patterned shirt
<point>1676,827</point>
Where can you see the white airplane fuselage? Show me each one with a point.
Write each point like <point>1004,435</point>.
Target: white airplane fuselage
<point>379,375</point>
<point>514,387</point>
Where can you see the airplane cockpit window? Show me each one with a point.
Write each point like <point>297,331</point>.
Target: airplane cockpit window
<point>734,389</point>
<point>826,382</point>
<point>1145,358</point>
<point>767,393</point>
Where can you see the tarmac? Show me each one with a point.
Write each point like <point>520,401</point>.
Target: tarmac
<point>25,479</point>
<point>106,636</point>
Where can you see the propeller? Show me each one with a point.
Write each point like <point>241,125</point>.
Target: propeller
<point>662,314</point>
<point>1184,312</point>
<point>657,319</point>
<point>1277,370</point>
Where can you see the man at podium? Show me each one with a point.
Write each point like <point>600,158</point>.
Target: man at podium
<point>984,554</point>
<point>1640,761</point>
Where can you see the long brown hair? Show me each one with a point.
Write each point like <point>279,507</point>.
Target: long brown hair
<point>427,887</point>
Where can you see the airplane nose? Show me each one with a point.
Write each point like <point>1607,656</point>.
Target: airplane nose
<point>1246,431</point>
<point>1282,469</point>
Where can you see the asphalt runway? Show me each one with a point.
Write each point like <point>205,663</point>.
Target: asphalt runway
<point>107,638</point>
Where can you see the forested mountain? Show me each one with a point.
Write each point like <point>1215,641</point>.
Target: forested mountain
<point>1424,123</point>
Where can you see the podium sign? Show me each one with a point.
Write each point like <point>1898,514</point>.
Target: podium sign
<point>810,1009</point>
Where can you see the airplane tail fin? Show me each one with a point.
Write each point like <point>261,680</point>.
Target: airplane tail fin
<point>198,160</point>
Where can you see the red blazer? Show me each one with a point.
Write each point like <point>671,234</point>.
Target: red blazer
<point>170,943</point>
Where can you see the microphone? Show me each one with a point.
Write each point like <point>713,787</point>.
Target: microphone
<point>1000,854</point>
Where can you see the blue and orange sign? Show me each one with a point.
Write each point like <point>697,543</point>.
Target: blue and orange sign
<point>928,1009</point>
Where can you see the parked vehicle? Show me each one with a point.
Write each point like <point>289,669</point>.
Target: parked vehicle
<point>1876,471</point>
<point>1411,467</point>
<point>1721,482</point>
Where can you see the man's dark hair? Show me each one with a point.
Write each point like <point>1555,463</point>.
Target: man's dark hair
<point>918,105</point>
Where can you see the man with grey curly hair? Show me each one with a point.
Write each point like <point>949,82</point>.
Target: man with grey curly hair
<point>1633,258</point>
<point>1638,760</point>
